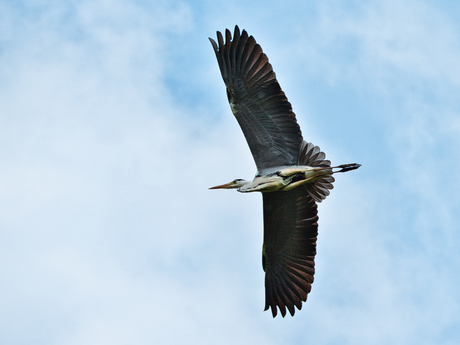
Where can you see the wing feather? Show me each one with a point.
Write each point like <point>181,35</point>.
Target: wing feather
<point>257,101</point>
<point>290,233</point>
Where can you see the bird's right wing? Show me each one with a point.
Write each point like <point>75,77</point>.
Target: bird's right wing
<point>289,249</point>
<point>257,101</point>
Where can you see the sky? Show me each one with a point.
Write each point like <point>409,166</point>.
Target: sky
<point>114,122</point>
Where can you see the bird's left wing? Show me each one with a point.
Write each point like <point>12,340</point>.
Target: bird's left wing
<point>257,101</point>
<point>289,249</point>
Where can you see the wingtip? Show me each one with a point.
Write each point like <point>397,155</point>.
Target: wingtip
<point>212,41</point>
<point>273,309</point>
<point>228,35</point>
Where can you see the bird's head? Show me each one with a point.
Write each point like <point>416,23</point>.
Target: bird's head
<point>234,184</point>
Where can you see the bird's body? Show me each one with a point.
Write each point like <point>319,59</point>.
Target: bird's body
<point>292,174</point>
<point>284,178</point>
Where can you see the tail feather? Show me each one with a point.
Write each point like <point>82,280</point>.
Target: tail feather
<point>312,155</point>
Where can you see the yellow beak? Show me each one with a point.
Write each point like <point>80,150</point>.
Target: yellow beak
<point>223,186</point>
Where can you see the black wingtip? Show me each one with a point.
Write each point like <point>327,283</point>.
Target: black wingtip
<point>228,34</point>
<point>214,44</point>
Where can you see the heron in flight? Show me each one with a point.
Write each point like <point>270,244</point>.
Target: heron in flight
<point>292,174</point>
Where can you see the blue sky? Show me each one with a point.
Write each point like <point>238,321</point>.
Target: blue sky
<point>114,122</point>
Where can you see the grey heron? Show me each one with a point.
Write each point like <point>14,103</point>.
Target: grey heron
<point>292,174</point>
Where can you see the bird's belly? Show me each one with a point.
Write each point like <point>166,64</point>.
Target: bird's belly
<point>266,184</point>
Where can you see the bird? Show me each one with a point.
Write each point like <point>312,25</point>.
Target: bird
<point>293,175</point>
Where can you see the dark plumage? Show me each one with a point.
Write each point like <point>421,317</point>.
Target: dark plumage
<point>258,101</point>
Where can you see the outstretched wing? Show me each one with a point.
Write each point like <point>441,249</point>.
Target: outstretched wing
<point>257,101</point>
<point>290,231</point>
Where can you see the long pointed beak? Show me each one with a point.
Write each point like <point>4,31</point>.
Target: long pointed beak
<point>223,186</point>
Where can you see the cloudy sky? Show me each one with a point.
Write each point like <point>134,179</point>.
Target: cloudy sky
<point>114,122</point>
